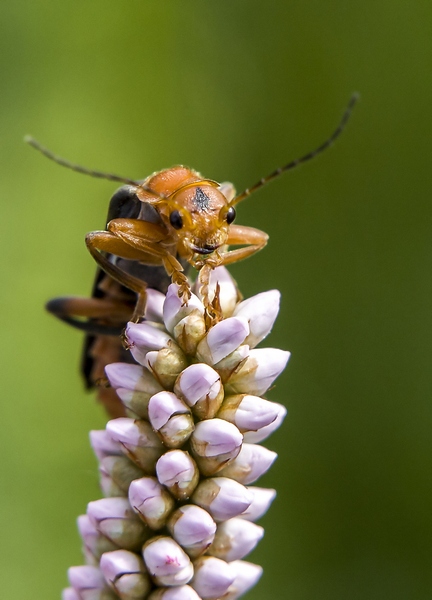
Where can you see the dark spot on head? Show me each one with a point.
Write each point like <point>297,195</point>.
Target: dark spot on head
<point>201,199</point>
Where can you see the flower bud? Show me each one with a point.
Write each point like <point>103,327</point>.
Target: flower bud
<point>215,443</point>
<point>150,501</point>
<point>143,338</point>
<point>190,331</point>
<point>222,339</point>
<point>235,538</point>
<point>89,583</point>
<point>249,413</point>
<point>126,573</point>
<point>193,528</point>
<point>181,592</point>
<point>260,311</point>
<point>178,472</point>
<point>222,497</point>
<point>247,575</point>
<point>166,365</point>
<point>232,363</point>
<point>120,471</point>
<point>138,440</point>
<point>171,419</point>
<point>115,519</point>
<point>166,562</point>
<point>154,305</point>
<point>103,444</point>
<point>253,437</point>
<point>252,462</point>
<point>228,292</point>
<point>95,544</point>
<point>201,388</point>
<point>174,311</point>
<point>71,594</point>
<point>261,500</point>
<point>212,577</point>
<point>131,377</point>
<point>258,372</point>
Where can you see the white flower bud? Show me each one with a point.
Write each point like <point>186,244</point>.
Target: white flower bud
<point>235,538</point>
<point>232,363</point>
<point>89,583</point>
<point>247,575</point>
<point>71,594</point>
<point>190,331</point>
<point>215,443</point>
<point>166,365</point>
<point>249,413</point>
<point>166,562</point>
<point>201,388</point>
<point>228,292</point>
<point>174,311</point>
<point>95,544</point>
<point>261,312</point>
<point>212,577</point>
<point>126,573</point>
<point>121,471</point>
<point>143,338</point>
<point>252,462</point>
<point>222,339</point>
<point>115,519</point>
<point>253,437</point>
<point>170,418</point>
<point>181,592</point>
<point>103,444</point>
<point>131,377</point>
<point>154,305</point>
<point>193,528</point>
<point>150,501</point>
<point>222,497</point>
<point>258,372</point>
<point>261,500</point>
<point>138,441</point>
<point>177,471</point>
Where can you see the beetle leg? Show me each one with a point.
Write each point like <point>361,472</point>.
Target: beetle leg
<point>146,237</point>
<point>254,240</point>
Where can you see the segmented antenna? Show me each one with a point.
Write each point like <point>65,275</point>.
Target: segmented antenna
<point>307,157</point>
<point>78,168</point>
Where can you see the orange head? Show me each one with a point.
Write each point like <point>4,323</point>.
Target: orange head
<point>198,216</point>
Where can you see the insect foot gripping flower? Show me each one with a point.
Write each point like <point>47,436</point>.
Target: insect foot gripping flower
<point>178,516</point>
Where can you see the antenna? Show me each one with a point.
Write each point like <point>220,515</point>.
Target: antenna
<point>306,158</point>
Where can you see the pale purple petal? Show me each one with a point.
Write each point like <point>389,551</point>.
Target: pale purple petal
<point>247,575</point>
<point>235,538</point>
<point>198,382</point>
<point>174,312</point>
<point>212,577</point>
<point>222,339</point>
<point>178,471</point>
<point>71,594</point>
<point>163,406</point>
<point>154,305</point>
<point>261,312</point>
<point>166,562</point>
<point>151,501</point>
<point>86,577</point>
<point>103,444</point>
<point>181,592</point>
<point>252,462</point>
<point>222,497</point>
<point>261,501</point>
<point>131,377</point>
<point>193,528</point>
<point>259,371</point>
<point>216,436</point>
<point>253,437</point>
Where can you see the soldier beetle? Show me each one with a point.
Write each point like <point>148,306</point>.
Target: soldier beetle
<point>156,229</point>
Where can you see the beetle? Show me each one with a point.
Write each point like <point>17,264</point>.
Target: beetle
<point>155,230</point>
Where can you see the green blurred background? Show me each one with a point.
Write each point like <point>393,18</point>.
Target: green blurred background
<point>233,88</point>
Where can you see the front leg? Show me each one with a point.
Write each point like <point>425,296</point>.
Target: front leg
<point>252,239</point>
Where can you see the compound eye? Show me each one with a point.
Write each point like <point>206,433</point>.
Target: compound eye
<point>231,215</point>
<point>176,219</point>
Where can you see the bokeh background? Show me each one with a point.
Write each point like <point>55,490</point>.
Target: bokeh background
<point>233,89</point>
